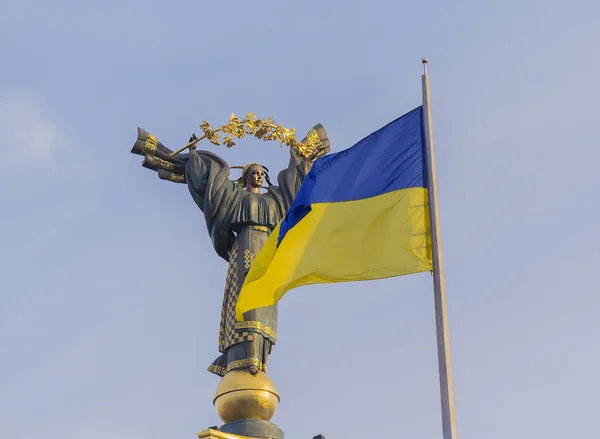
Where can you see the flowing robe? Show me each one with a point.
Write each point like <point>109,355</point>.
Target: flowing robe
<point>239,223</point>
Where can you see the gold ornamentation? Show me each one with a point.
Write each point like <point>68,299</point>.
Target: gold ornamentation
<point>177,178</point>
<point>246,362</point>
<point>216,434</point>
<point>238,364</point>
<point>313,138</point>
<point>265,129</point>
<point>216,370</point>
<point>259,326</point>
<point>164,164</point>
<point>248,258</point>
<point>150,145</point>
<point>261,228</point>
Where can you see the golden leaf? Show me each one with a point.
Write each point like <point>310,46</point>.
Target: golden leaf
<point>214,138</point>
<point>238,132</point>
<point>228,142</point>
<point>261,132</point>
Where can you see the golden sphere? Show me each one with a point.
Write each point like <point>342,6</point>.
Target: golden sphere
<point>241,395</point>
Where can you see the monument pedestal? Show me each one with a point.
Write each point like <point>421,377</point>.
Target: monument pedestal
<point>254,428</point>
<point>211,433</point>
<point>244,429</point>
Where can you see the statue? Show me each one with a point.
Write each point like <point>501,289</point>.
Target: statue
<point>239,218</point>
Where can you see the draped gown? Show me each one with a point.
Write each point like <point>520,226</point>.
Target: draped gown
<point>239,223</point>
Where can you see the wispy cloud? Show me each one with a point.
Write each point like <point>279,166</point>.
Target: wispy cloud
<point>24,129</point>
<point>28,134</point>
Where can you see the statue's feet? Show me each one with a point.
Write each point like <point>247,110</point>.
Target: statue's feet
<point>253,370</point>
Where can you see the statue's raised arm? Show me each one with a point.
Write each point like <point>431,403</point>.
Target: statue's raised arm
<point>219,198</point>
<point>207,177</point>
<point>290,179</point>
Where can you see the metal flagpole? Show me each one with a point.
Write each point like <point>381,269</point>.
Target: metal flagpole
<point>439,288</point>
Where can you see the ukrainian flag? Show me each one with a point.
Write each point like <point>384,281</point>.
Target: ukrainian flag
<point>360,214</point>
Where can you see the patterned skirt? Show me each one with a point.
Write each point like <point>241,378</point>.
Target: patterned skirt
<point>248,343</point>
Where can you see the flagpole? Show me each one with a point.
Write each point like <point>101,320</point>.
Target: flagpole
<point>439,288</point>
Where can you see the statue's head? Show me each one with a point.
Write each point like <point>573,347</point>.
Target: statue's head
<point>254,176</point>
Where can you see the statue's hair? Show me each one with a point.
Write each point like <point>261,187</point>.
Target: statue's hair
<point>242,180</point>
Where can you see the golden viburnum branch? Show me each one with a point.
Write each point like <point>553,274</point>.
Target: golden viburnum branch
<point>265,129</point>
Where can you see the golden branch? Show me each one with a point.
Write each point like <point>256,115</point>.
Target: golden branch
<point>265,129</point>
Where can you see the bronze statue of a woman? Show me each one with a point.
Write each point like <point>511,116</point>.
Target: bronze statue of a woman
<point>239,218</point>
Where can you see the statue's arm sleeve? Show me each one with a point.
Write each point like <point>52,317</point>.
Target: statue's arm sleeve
<point>290,179</point>
<point>207,177</point>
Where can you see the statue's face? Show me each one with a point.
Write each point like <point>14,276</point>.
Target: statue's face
<point>255,176</point>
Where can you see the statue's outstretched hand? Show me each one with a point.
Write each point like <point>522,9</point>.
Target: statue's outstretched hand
<point>318,152</point>
<point>193,145</point>
<point>326,149</point>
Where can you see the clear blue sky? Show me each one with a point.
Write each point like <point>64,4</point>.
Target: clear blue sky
<point>111,292</point>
